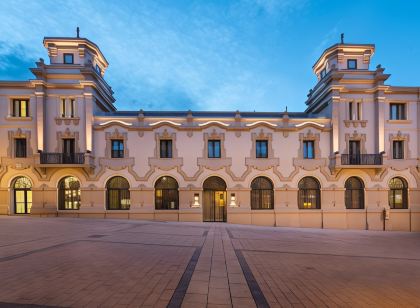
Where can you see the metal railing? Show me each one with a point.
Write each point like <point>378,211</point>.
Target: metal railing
<point>62,158</point>
<point>361,159</point>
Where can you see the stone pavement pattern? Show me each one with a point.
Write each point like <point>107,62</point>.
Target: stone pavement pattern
<point>119,263</point>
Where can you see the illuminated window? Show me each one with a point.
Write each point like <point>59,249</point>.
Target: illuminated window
<point>309,195</point>
<point>398,193</point>
<point>20,108</point>
<point>22,193</point>
<point>166,194</point>
<point>69,193</point>
<point>118,194</point>
<point>355,193</point>
<point>262,194</point>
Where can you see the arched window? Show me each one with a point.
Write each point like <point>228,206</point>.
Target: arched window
<point>398,193</point>
<point>69,193</point>
<point>355,193</point>
<point>118,194</point>
<point>166,194</point>
<point>309,196</point>
<point>262,194</point>
<point>22,195</point>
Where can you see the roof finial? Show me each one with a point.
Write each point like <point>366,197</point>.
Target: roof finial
<point>342,38</point>
<point>286,108</point>
<point>77,32</point>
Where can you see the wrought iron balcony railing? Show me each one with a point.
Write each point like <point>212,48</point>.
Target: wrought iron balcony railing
<point>361,159</point>
<point>62,158</point>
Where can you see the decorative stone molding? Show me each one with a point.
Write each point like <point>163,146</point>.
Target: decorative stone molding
<point>165,163</point>
<point>400,137</point>
<point>67,134</point>
<point>214,163</point>
<point>309,136</point>
<point>355,123</point>
<point>67,121</point>
<point>12,135</point>
<point>262,163</point>
<point>356,137</point>
<point>115,135</point>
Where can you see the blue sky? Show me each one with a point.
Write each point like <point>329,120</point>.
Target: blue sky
<point>213,55</point>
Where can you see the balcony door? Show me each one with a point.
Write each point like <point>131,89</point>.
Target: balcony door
<point>68,151</point>
<point>354,151</point>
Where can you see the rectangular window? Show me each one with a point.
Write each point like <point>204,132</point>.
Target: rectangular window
<point>20,108</point>
<point>352,64</point>
<point>20,147</point>
<point>323,73</point>
<point>117,150</point>
<point>355,111</point>
<point>166,149</point>
<point>308,149</point>
<point>398,149</point>
<point>213,148</point>
<point>68,58</point>
<point>351,111</point>
<point>261,148</point>
<point>68,108</point>
<point>397,112</point>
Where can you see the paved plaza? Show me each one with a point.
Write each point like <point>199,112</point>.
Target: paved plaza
<point>123,263</point>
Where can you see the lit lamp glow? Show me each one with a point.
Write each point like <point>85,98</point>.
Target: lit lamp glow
<point>196,202</point>
<point>232,200</point>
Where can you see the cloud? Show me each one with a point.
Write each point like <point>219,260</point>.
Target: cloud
<point>161,55</point>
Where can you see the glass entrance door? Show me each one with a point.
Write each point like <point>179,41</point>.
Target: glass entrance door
<point>214,206</point>
<point>22,195</point>
<point>214,199</point>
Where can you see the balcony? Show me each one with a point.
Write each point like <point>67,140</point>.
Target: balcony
<point>45,160</point>
<point>361,159</point>
<point>62,158</point>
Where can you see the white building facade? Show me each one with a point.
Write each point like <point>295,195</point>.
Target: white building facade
<point>351,160</point>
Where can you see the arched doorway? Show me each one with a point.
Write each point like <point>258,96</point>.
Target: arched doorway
<point>22,195</point>
<point>214,199</point>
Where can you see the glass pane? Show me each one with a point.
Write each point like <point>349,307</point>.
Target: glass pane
<point>20,202</point>
<point>23,109</point>
<point>29,200</point>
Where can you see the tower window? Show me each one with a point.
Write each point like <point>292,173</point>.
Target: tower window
<point>352,64</point>
<point>323,73</point>
<point>68,58</point>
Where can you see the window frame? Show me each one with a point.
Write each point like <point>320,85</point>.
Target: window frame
<point>211,150</point>
<point>21,153</point>
<point>119,152</point>
<point>398,151</point>
<point>323,73</point>
<point>120,193</point>
<point>19,108</point>
<point>258,144</point>
<point>68,194</point>
<point>400,111</point>
<point>305,149</point>
<point>351,191</point>
<point>165,148</point>
<point>352,61</point>
<point>165,194</point>
<point>259,194</point>
<point>309,193</point>
<point>392,193</point>
<point>66,55</point>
